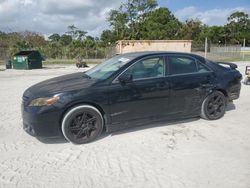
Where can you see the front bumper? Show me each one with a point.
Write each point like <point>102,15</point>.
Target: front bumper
<point>41,123</point>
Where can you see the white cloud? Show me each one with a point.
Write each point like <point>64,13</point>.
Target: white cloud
<point>209,17</point>
<point>53,16</point>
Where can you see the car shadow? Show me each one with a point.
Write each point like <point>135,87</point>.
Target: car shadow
<point>134,127</point>
<point>149,125</point>
<point>230,106</point>
<point>54,140</point>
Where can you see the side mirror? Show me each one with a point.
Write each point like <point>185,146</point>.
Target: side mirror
<point>125,78</point>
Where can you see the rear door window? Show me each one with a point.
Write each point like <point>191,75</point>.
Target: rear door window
<point>181,65</point>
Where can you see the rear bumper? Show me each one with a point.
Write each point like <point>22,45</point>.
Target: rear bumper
<point>234,92</point>
<point>39,123</point>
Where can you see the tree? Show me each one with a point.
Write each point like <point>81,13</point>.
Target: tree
<point>75,33</point>
<point>66,39</point>
<point>90,46</point>
<point>238,17</point>
<point>215,34</point>
<point>128,19</point>
<point>75,49</point>
<point>54,50</point>
<point>118,20</point>
<point>54,37</point>
<point>192,29</point>
<point>108,37</point>
<point>34,39</point>
<point>238,27</point>
<point>80,35</point>
<point>160,24</point>
<point>71,31</point>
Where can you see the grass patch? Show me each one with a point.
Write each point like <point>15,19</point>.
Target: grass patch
<point>246,56</point>
<point>70,61</point>
<point>63,61</point>
<point>228,59</point>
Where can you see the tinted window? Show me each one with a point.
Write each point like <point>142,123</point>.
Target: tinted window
<point>107,68</point>
<point>181,65</point>
<point>202,68</point>
<point>147,68</point>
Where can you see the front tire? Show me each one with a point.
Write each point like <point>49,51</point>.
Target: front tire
<point>213,107</point>
<point>82,124</point>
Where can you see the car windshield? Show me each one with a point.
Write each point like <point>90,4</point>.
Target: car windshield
<point>107,68</point>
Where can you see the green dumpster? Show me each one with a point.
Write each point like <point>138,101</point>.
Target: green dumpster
<point>27,59</point>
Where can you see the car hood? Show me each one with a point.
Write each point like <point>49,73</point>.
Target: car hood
<point>59,84</point>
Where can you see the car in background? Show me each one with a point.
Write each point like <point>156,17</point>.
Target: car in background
<point>129,90</point>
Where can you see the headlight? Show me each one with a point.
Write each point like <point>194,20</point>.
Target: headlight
<point>47,101</point>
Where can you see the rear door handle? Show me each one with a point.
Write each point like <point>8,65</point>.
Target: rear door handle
<point>207,85</point>
<point>204,85</point>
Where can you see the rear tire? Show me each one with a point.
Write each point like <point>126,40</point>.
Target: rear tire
<point>213,107</point>
<point>82,124</point>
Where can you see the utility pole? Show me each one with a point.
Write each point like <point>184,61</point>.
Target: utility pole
<point>244,45</point>
<point>206,47</point>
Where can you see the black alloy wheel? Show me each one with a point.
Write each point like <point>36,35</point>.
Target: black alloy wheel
<point>213,107</point>
<point>82,124</point>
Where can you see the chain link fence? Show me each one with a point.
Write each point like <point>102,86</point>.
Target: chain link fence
<point>217,52</point>
<point>3,51</point>
<point>214,52</point>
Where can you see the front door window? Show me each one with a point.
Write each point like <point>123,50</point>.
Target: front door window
<point>147,68</point>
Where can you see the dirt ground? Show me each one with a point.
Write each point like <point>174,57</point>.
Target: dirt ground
<point>194,153</point>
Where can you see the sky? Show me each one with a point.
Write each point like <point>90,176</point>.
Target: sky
<point>53,16</point>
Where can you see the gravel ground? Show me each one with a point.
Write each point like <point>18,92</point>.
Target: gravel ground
<point>194,153</point>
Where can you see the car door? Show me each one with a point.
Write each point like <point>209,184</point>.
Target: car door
<point>190,81</point>
<point>145,96</point>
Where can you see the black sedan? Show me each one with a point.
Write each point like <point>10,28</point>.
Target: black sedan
<point>128,90</point>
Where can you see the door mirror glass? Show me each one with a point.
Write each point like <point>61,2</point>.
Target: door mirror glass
<point>125,78</point>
